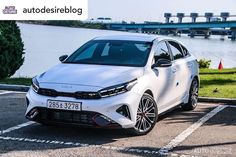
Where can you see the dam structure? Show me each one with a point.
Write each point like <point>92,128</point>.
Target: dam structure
<point>213,25</point>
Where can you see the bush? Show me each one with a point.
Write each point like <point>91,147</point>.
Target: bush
<point>69,23</point>
<point>203,63</point>
<point>11,49</point>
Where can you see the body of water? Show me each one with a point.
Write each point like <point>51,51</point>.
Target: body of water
<point>44,44</point>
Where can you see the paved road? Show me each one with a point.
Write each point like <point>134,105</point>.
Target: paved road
<point>210,130</point>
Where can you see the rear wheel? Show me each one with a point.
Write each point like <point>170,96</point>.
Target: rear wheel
<point>193,96</point>
<point>146,115</point>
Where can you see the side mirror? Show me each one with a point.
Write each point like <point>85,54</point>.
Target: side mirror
<point>162,63</point>
<point>63,58</point>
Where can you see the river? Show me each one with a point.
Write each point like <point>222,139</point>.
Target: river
<point>44,44</point>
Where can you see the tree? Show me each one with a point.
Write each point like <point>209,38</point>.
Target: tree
<point>11,49</point>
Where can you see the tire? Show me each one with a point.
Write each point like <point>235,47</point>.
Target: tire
<point>146,116</point>
<point>193,96</point>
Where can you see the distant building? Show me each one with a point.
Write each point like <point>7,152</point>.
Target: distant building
<point>151,22</point>
<point>102,20</point>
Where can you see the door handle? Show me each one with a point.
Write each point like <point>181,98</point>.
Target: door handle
<point>190,65</point>
<point>174,70</point>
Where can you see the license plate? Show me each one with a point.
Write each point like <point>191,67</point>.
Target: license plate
<point>64,105</point>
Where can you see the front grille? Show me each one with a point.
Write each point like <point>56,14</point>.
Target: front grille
<point>85,118</point>
<point>77,95</point>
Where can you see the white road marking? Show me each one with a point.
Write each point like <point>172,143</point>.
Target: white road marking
<point>7,92</point>
<point>163,151</point>
<point>208,104</point>
<point>232,106</point>
<point>181,137</point>
<point>11,92</point>
<point>77,144</point>
<point>18,92</point>
<point>16,127</point>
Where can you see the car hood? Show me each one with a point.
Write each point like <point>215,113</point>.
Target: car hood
<point>90,75</point>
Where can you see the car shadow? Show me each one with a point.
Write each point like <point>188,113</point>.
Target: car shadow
<point>70,133</point>
<point>94,136</point>
<point>101,135</point>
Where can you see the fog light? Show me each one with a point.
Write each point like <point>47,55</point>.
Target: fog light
<point>101,120</point>
<point>124,111</point>
<point>33,113</point>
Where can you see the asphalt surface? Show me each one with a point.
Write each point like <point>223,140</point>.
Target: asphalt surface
<point>209,130</point>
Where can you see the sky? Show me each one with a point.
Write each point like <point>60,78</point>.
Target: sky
<point>153,10</point>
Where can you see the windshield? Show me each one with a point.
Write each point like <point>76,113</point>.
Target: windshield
<point>112,52</point>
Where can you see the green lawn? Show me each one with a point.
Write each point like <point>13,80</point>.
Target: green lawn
<point>214,83</point>
<point>17,81</point>
<point>216,71</point>
<point>218,85</point>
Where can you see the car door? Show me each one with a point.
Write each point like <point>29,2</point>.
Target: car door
<point>190,66</point>
<point>180,71</point>
<point>164,78</point>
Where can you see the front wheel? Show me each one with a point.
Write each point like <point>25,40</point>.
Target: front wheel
<point>146,115</point>
<point>193,96</point>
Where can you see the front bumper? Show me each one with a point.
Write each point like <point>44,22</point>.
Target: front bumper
<point>91,113</point>
<point>82,118</point>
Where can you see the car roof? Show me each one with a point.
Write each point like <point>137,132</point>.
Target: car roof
<point>137,37</point>
<point>130,37</point>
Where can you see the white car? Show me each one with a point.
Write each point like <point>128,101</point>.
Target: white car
<point>122,81</point>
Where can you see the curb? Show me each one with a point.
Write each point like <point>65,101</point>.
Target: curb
<point>217,100</point>
<point>22,88</point>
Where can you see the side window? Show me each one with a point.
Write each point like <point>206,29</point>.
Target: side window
<point>106,50</point>
<point>162,52</point>
<point>176,50</point>
<point>185,51</point>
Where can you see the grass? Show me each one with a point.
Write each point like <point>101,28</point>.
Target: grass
<point>216,71</point>
<point>220,85</point>
<point>17,81</point>
<point>214,83</point>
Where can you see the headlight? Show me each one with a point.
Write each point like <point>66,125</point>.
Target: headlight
<point>117,89</point>
<point>35,85</point>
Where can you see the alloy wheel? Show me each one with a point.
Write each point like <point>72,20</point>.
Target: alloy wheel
<point>194,93</point>
<point>146,114</point>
